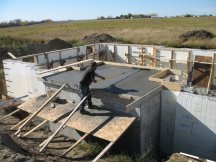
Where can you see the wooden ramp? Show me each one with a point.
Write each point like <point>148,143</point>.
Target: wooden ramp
<point>97,122</point>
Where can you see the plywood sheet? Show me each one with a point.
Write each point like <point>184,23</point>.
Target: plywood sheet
<point>47,113</point>
<point>201,72</point>
<point>98,122</point>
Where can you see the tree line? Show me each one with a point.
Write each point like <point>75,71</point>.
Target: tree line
<point>129,16</point>
<point>19,22</point>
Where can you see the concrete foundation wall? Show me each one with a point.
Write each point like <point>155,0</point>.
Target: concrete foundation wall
<point>188,124</point>
<point>167,123</point>
<point>21,79</point>
<point>149,124</point>
<point>195,125</point>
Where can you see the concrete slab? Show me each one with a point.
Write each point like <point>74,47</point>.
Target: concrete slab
<point>119,80</point>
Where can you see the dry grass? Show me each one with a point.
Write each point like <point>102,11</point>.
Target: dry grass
<point>163,31</point>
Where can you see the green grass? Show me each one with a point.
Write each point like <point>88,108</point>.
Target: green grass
<point>15,42</point>
<point>159,31</point>
<point>90,148</point>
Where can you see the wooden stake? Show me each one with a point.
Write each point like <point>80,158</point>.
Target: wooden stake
<point>22,121</point>
<point>211,73</point>
<point>188,67</point>
<point>40,109</point>
<point>171,60</point>
<point>11,55</point>
<point>115,53</point>
<point>75,144</point>
<point>9,114</point>
<point>32,130</point>
<point>103,151</point>
<point>66,120</point>
<point>129,56</point>
<point>153,63</point>
<point>142,57</point>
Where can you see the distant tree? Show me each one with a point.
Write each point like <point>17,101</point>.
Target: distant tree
<point>109,17</point>
<point>188,15</point>
<point>47,21</point>
<point>101,18</point>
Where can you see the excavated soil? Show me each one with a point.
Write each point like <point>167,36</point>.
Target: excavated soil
<point>34,48</point>
<point>14,149</point>
<point>196,34</point>
<point>98,38</point>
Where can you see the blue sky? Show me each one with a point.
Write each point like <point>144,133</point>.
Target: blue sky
<point>91,9</point>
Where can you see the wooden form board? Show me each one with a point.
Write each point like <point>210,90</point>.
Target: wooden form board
<point>174,86</point>
<point>109,126</point>
<point>131,65</point>
<point>201,72</point>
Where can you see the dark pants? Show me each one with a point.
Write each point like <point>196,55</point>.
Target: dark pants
<point>84,91</point>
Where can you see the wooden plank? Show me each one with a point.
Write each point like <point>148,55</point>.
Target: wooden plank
<point>75,144</point>
<point>129,55</point>
<point>188,67</point>
<point>145,98</point>
<point>103,151</point>
<point>161,74</point>
<point>115,53</point>
<point>171,61</point>
<point>41,108</point>
<point>132,65</point>
<point>61,67</point>
<point>19,123</point>
<point>63,124</point>
<point>35,128</point>
<point>11,55</point>
<point>211,73</point>
<point>172,86</point>
<point>10,114</point>
<point>154,57</point>
<point>201,73</point>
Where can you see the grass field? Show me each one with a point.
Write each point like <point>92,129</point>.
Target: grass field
<point>158,31</point>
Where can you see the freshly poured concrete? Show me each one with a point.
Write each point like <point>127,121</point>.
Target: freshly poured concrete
<point>119,80</point>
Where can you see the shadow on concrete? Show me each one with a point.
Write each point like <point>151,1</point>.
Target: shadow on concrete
<point>117,90</point>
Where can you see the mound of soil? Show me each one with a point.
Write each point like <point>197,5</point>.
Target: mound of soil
<point>34,48</point>
<point>52,45</point>
<point>56,44</point>
<point>196,34</point>
<point>98,38</point>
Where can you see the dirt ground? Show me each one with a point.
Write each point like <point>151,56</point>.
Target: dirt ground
<point>14,149</point>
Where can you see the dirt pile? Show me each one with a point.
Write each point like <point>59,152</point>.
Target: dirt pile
<point>196,34</point>
<point>34,48</point>
<point>56,44</point>
<point>98,38</point>
<point>52,45</point>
